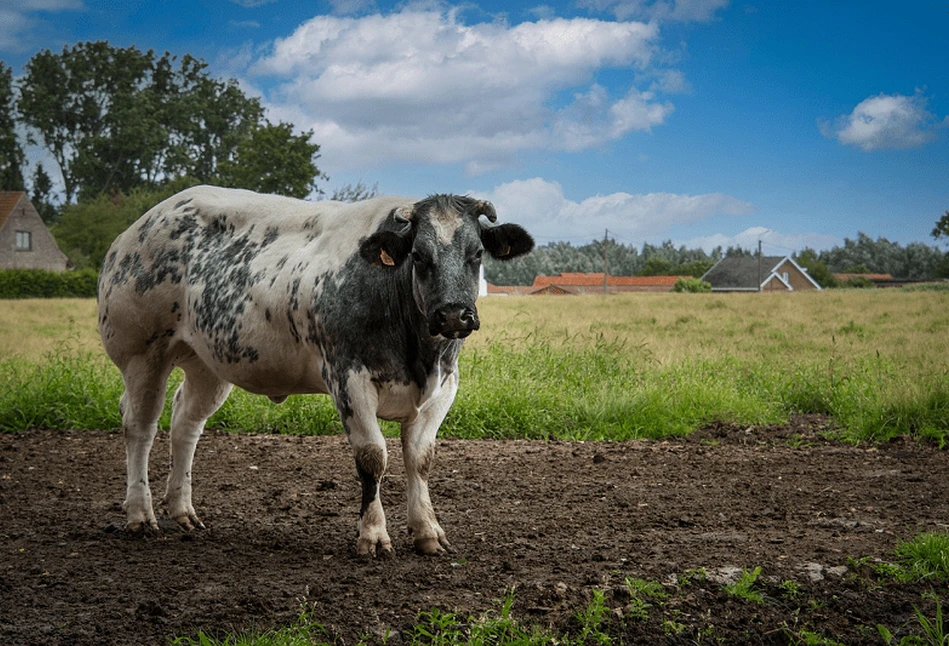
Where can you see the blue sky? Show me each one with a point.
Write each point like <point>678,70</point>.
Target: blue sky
<point>706,122</point>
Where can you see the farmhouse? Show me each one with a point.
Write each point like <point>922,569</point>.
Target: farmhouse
<point>759,274</point>
<point>25,242</point>
<point>568,284</point>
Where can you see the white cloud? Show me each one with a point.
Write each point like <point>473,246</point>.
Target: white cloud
<point>543,209</point>
<point>885,121</point>
<point>249,4</point>
<point>19,19</point>
<point>349,7</point>
<point>673,10</point>
<point>774,243</point>
<point>423,87</point>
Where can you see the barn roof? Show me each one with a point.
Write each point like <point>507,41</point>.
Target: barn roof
<point>8,201</point>
<point>741,272</point>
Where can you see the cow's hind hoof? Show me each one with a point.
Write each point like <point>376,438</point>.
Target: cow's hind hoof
<point>430,546</point>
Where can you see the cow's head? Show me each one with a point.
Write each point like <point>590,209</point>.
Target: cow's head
<point>444,239</point>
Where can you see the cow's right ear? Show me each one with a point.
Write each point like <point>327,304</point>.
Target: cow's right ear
<point>386,249</point>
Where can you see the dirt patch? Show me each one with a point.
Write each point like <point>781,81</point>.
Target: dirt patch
<point>555,521</point>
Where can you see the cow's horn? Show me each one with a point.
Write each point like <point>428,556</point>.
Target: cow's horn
<point>404,214</point>
<point>485,208</point>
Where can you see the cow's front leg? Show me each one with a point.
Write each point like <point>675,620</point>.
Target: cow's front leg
<point>369,449</point>
<point>418,452</point>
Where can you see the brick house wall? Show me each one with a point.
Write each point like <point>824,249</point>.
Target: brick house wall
<point>25,242</point>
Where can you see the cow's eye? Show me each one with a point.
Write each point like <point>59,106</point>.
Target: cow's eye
<point>476,256</point>
<point>418,258</point>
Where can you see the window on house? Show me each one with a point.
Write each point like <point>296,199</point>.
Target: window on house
<point>24,241</point>
<point>785,276</point>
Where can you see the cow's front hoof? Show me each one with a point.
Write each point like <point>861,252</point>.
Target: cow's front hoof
<point>188,522</point>
<point>430,546</point>
<point>142,526</point>
<point>370,547</point>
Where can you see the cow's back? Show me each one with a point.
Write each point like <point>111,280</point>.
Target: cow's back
<point>209,268</point>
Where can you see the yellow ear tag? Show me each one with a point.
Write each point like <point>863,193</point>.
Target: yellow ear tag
<point>386,258</point>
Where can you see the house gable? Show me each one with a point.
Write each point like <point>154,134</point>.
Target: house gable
<point>25,242</point>
<point>748,274</point>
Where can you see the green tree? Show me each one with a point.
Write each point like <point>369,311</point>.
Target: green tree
<point>86,230</point>
<point>42,197</point>
<point>64,99</point>
<point>816,269</point>
<point>696,268</point>
<point>118,119</point>
<point>656,267</point>
<point>941,230</point>
<point>271,159</point>
<point>210,120</point>
<point>11,153</point>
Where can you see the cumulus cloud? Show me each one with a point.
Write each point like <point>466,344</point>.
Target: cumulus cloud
<point>773,242</point>
<point>421,86</point>
<point>541,206</point>
<point>885,121</point>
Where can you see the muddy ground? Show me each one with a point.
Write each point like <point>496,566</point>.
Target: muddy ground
<point>554,521</point>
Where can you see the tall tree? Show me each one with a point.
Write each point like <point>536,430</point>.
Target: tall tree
<point>941,230</point>
<point>42,197</point>
<point>271,159</point>
<point>11,153</point>
<point>116,119</point>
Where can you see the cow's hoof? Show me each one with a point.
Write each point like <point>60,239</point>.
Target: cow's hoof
<point>367,548</point>
<point>188,522</point>
<point>142,527</point>
<point>430,546</point>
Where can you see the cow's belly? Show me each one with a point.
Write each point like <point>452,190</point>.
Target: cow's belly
<point>275,372</point>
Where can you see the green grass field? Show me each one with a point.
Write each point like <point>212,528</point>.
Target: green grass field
<point>590,367</point>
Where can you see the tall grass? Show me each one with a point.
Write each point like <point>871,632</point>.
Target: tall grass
<point>628,366</point>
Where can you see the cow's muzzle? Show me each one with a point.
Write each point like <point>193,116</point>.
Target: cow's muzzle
<point>454,321</point>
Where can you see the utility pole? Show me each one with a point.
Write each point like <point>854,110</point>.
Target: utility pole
<point>606,260</point>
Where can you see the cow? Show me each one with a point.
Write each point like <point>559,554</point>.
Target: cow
<point>367,302</point>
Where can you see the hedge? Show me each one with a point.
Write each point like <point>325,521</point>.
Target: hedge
<point>39,283</point>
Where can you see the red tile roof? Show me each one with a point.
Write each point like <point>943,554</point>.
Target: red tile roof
<point>596,279</point>
<point>845,277</point>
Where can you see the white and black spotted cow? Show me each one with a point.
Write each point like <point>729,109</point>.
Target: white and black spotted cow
<point>367,302</point>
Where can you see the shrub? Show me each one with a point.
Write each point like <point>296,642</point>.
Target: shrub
<point>859,282</point>
<point>39,283</point>
<point>692,286</point>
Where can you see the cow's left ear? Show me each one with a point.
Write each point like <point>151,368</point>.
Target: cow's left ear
<point>506,241</point>
<point>386,249</point>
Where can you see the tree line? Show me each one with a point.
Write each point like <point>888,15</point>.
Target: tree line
<point>862,255</point>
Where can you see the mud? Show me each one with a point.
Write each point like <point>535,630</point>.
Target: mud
<point>553,521</point>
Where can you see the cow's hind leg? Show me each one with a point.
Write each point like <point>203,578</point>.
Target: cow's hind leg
<point>141,406</point>
<point>197,398</point>
<point>418,453</point>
